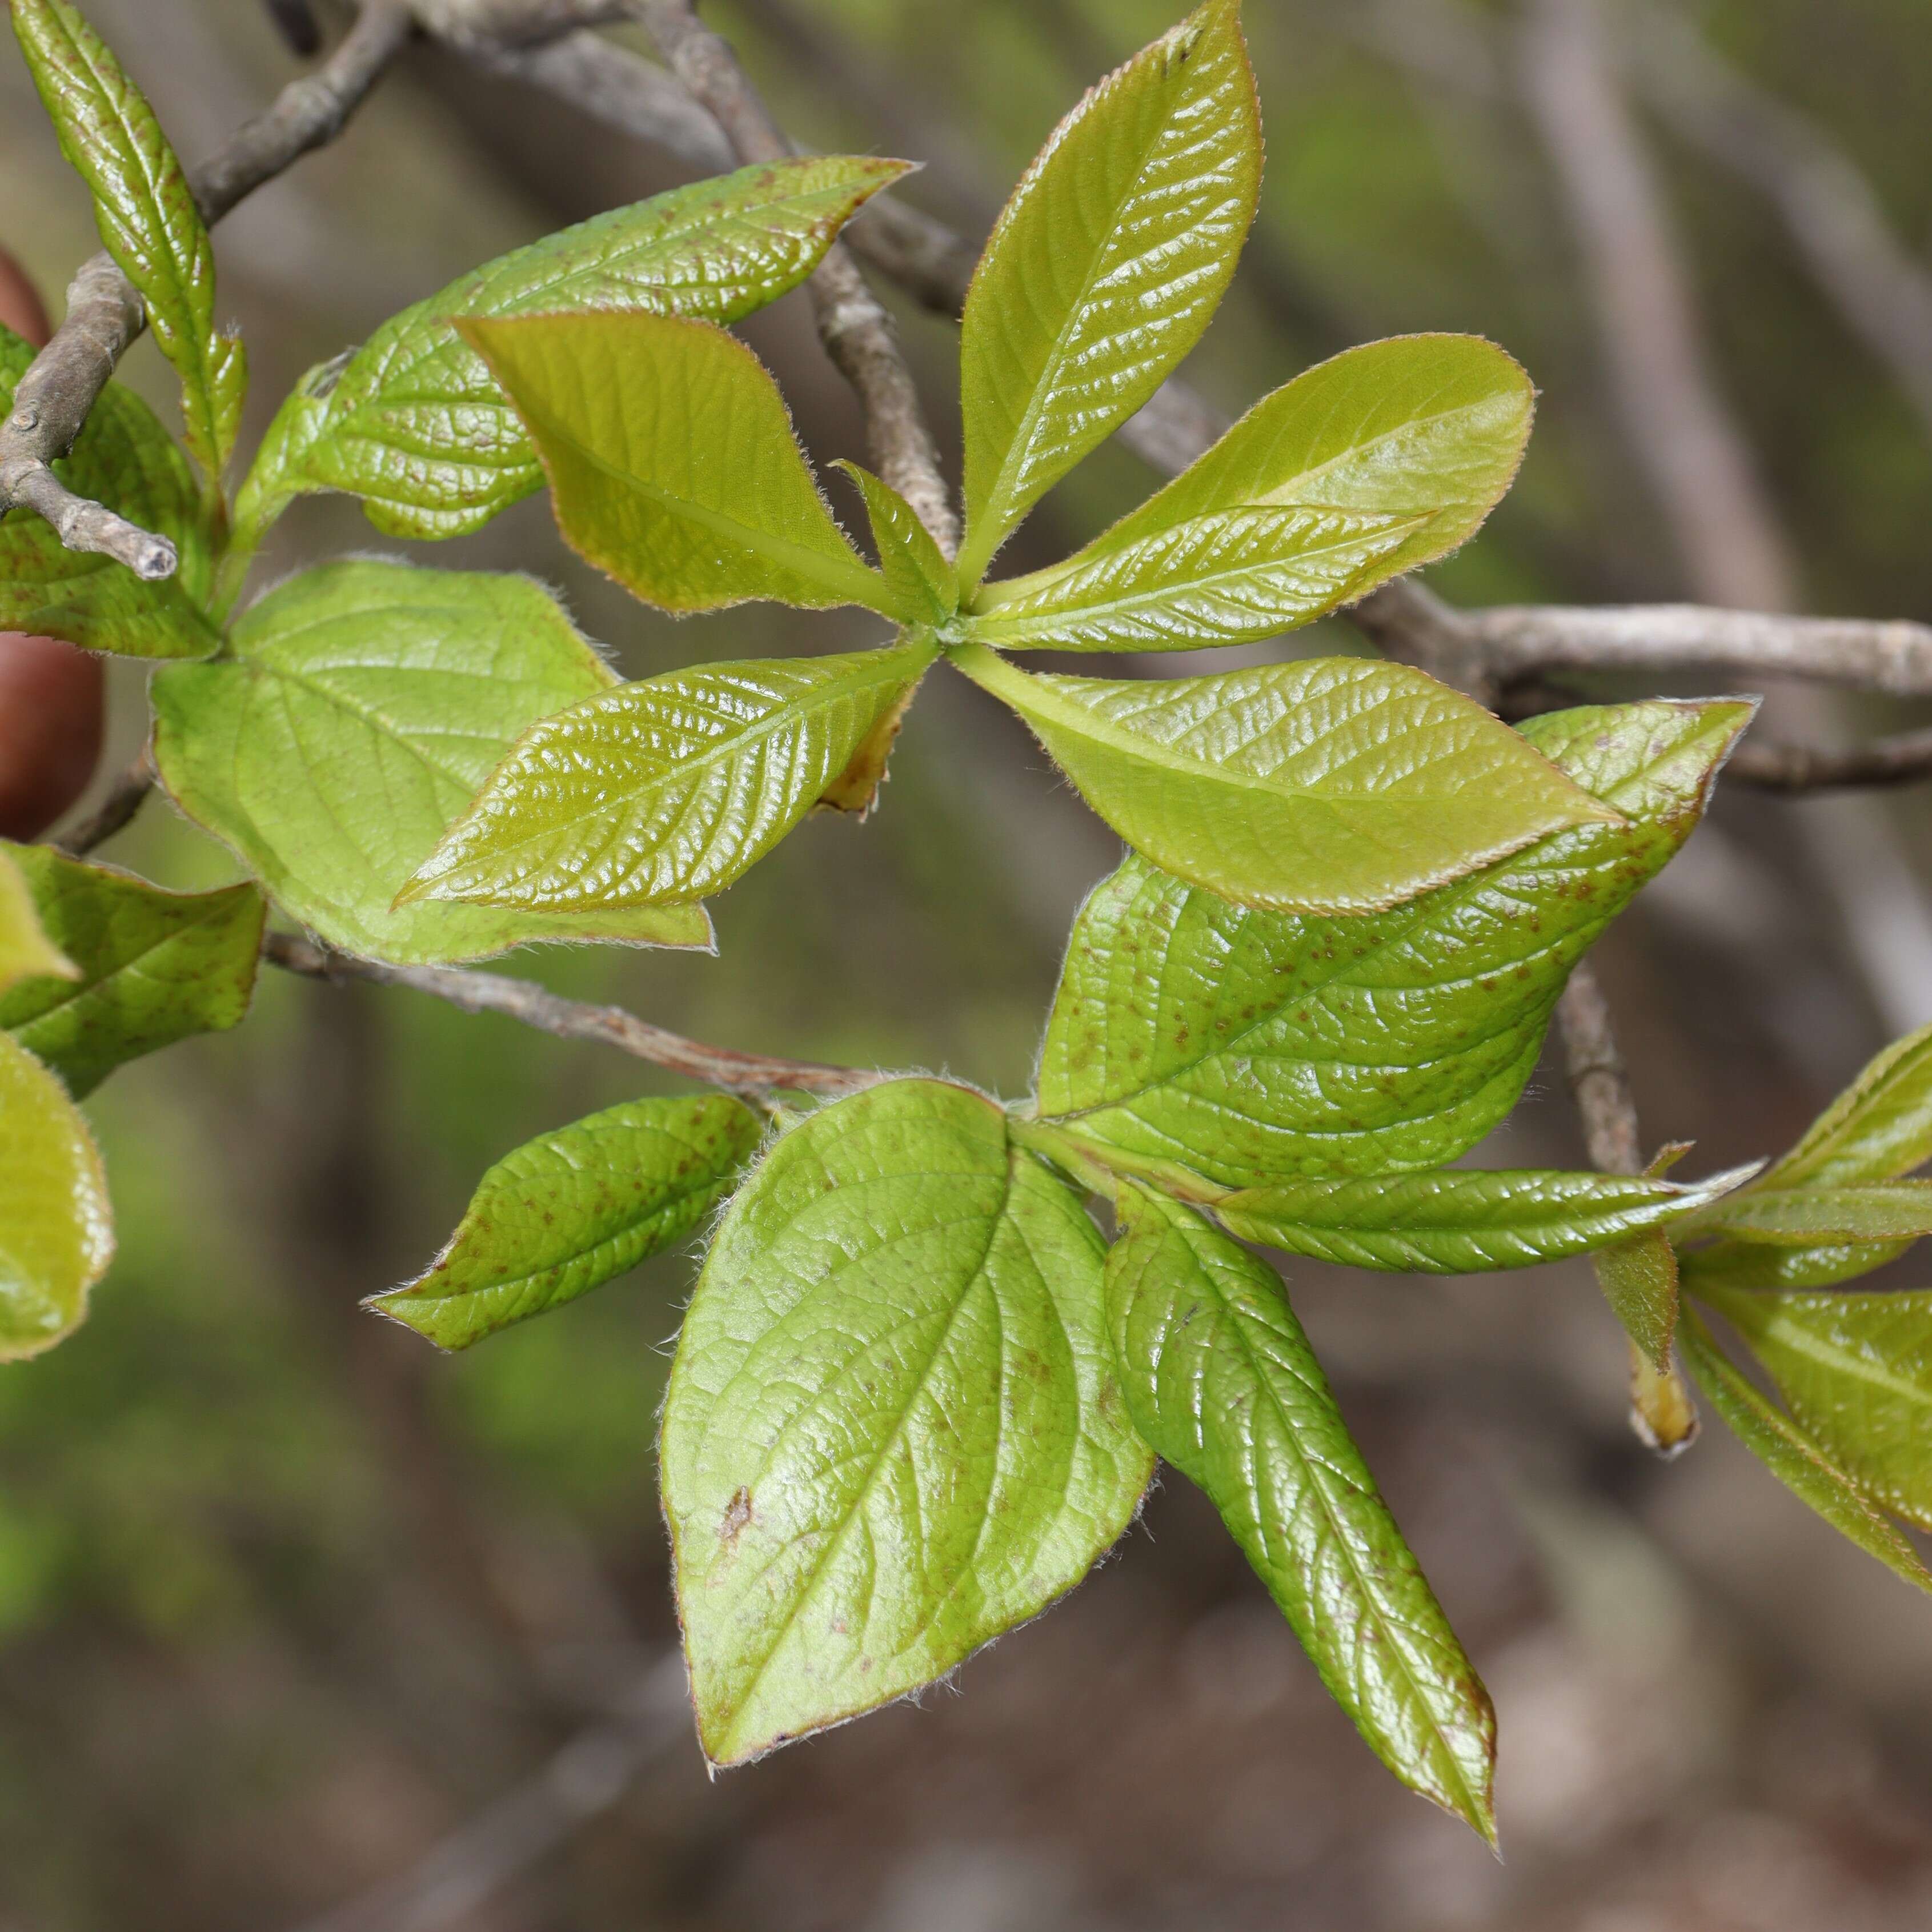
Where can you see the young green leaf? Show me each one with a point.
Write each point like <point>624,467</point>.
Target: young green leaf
<point>921,587</point>
<point>415,425</point>
<point>1857,1371</point>
<point>1458,1221</point>
<point>1639,1279</point>
<point>570,1210</point>
<point>1253,1046</point>
<point>1329,785</point>
<point>893,1430</point>
<point>1879,1128</point>
<point>1220,1379</point>
<point>123,458</point>
<point>1802,1217</point>
<point>146,211</point>
<point>663,791</point>
<point>153,966</point>
<point>26,953</point>
<point>363,707</point>
<point>672,462</point>
<point>1424,430</point>
<point>1794,1458</point>
<point>56,1230</point>
<point>1105,266</point>
<point>1227,578</point>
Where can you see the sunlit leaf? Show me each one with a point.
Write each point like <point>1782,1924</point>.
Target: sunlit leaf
<point>1456,1220</point>
<point>1801,1217</point>
<point>415,425</point>
<point>920,585</point>
<point>666,789</point>
<point>893,1429</point>
<point>1857,1371</point>
<point>56,1230</point>
<point>153,966</point>
<point>125,459</point>
<point>1226,578</point>
<point>145,210</point>
<point>1332,785</point>
<point>363,707</point>
<point>26,953</point>
<point>1220,1379</point>
<point>1254,1046</point>
<point>1794,1458</point>
<point>569,1210</point>
<point>1105,266</point>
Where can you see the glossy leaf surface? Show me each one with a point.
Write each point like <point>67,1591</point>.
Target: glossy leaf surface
<point>666,789</point>
<point>1334,784</point>
<point>154,967</point>
<point>1254,1045</point>
<point>26,953</point>
<point>124,458</point>
<point>568,1210</point>
<point>672,463</point>
<point>1425,429</point>
<point>145,210</point>
<point>1105,266</point>
<point>1887,1211</point>
<point>1457,1221</point>
<point>1879,1128</point>
<point>365,705</point>
<point>1229,577</point>
<point>56,1230</point>
<point>1792,1456</point>
<point>416,425</point>
<point>1857,1371</point>
<point>893,1429</point>
<point>921,587</point>
<point>1220,1379</point>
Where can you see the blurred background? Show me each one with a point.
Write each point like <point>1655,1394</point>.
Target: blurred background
<point>304,1626</point>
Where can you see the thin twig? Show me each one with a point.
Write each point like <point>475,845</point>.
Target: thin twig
<point>852,323</point>
<point>472,992</point>
<point>588,1776</point>
<point>105,315</point>
<point>117,809</point>
<point>1904,758</point>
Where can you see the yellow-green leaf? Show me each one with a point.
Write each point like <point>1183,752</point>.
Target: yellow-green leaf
<point>1329,785</point>
<point>1105,266</point>
<point>667,790</point>
<point>1639,1279</point>
<point>56,1230</point>
<point>922,588</point>
<point>26,953</point>
<point>672,461</point>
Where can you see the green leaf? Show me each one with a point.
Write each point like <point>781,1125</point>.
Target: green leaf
<point>667,790</point>
<point>1254,1046</point>
<point>363,707</point>
<point>154,967</point>
<point>1880,1127</point>
<point>672,461</point>
<point>570,1210</point>
<point>892,1430</point>
<point>1227,578</point>
<point>1220,1379</point>
<point>1802,1217</point>
<point>56,1229</point>
<point>1333,784</point>
<point>1105,266</point>
<point>1856,1370</point>
<point>414,423</point>
<point>1638,1280</point>
<point>125,459</point>
<point>1458,1221</point>
<point>146,211</point>
<point>26,953</point>
<point>921,587</point>
<point>1425,431</point>
<point>1794,1458</point>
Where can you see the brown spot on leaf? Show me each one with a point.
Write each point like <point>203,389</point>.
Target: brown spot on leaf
<point>737,1514</point>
